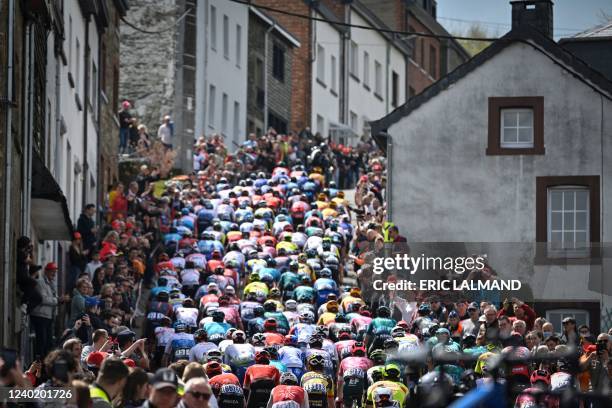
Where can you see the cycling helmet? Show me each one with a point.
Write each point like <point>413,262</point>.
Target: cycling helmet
<point>344,335</point>
<point>288,378</point>
<point>291,340</point>
<point>383,311</point>
<point>358,349</point>
<point>424,308</point>
<point>180,327</point>
<point>262,357</point>
<point>340,318</point>
<point>398,332</point>
<point>238,335</point>
<point>378,356</point>
<point>315,341</point>
<point>307,317</point>
<point>315,362</point>
<point>214,355</point>
<point>270,324</point>
<point>258,339</point>
<point>540,376</point>
<point>291,305</point>
<point>325,273</point>
<point>199,335</point>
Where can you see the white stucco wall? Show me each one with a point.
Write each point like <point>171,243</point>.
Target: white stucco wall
<point>226,74</point>
<point>446,189</point>
<point>362,98</point>
<point>324,102</point>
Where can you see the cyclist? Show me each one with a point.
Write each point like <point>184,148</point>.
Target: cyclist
<point>203,346</point>
<point>392,380</point>
<point>179,345</point>
<point>352,376</point>
<point>288,390</point>
<point>318,385</point>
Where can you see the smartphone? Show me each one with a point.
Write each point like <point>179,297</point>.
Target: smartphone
<point>59,370</point>
<point>10,357</point>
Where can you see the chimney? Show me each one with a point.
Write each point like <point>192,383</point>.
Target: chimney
<point>536,13</point>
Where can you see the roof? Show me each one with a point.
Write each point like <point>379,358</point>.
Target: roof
<point>376,22</point>
<point>523,34</point>
<point>601,31</point>
<point>433,24</point>
<point>328,14</point>
<point>277,27</point>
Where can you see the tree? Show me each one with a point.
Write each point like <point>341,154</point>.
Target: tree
<point>473,47</point>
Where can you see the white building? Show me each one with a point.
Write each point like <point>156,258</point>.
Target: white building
<point>326,76</point>
<point>221,69</point>
<point>508,155</point>
<point>357,75</point>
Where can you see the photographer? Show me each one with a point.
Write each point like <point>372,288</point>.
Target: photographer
<point>595,362</point>
<point>60,366</point>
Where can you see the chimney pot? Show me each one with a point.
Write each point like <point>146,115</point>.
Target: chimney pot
<point>536,13</point>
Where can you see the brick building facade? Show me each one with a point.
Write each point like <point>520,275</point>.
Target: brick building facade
<point>271,70</point>
<point>109,95</point>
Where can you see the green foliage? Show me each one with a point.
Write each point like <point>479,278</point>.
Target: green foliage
<point>473,47</point>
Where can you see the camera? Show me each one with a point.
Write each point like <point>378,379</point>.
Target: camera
<point>601,347</point>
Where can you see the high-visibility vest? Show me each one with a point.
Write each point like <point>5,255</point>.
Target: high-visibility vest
<point>386,226</point>
<point>98,393</point>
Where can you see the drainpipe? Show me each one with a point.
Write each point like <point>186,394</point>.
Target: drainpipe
<point>100,170</point>
<point>205,80</point>
<point>85,99</point>
<point>8,168</point>
<point>266,35</point>
<point>388,60</point>
<point>388,189</point>
<point>27,148</point>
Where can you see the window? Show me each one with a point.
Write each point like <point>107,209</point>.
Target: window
<point>378,79</point>
<point>224,114</point>
<point>334,78</point>
<point>77,69</point>
<point>354,60</point>
<point>211,106</point>
<point>353,121</point>
<point>321,125</point>
<point>213,27</point>
<point>94,89</point>
<point>238,44</point>
<point>567,216</point>
<point>568,213</point>
<point>394,89</point>
<point>69,43</point>
<point>278,62</point>
<point>433,65</point>
<point>259,83</point>
<point>321,64</point>
<point>516,126</point>
<point>236,120</point>
<point>226,36</point>
<point>278,123</point>
<point>556,316</point>
<point>366,70</point>
<point>103,68</point>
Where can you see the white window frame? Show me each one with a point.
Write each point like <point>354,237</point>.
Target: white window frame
<point>570,209</point>
<point>77,69</point>
<point>366,69</point>
<point>236,120</point>
<point>567,313</point>
<point>211,105</point>
<point>226,35</point>
<point>354,60</point>
<point>224,107</point>
<point>354,121</point>
<point>321,63</point>
<point>516,127</point>
<point>238,44</point>
<point>378,80</point>
<point>213,28</point>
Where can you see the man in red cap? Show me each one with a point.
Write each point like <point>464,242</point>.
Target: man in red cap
<point>42,315</point>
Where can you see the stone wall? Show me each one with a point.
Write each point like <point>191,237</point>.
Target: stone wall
<point>148,60</point>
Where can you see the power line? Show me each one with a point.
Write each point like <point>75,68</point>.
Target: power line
<point>359,26</point>
<point>498,24</point>
<point>170,27</point>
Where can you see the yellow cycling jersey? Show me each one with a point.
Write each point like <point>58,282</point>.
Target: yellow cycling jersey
<point>313,381</point>
<point>400,392</point>
<point>317,177</point>
<point>326,319</point>
<point>329,212</point>
<point>256,287</point>
<point>349,300</point>
<point>321,204</point>
<point>288,246</point>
